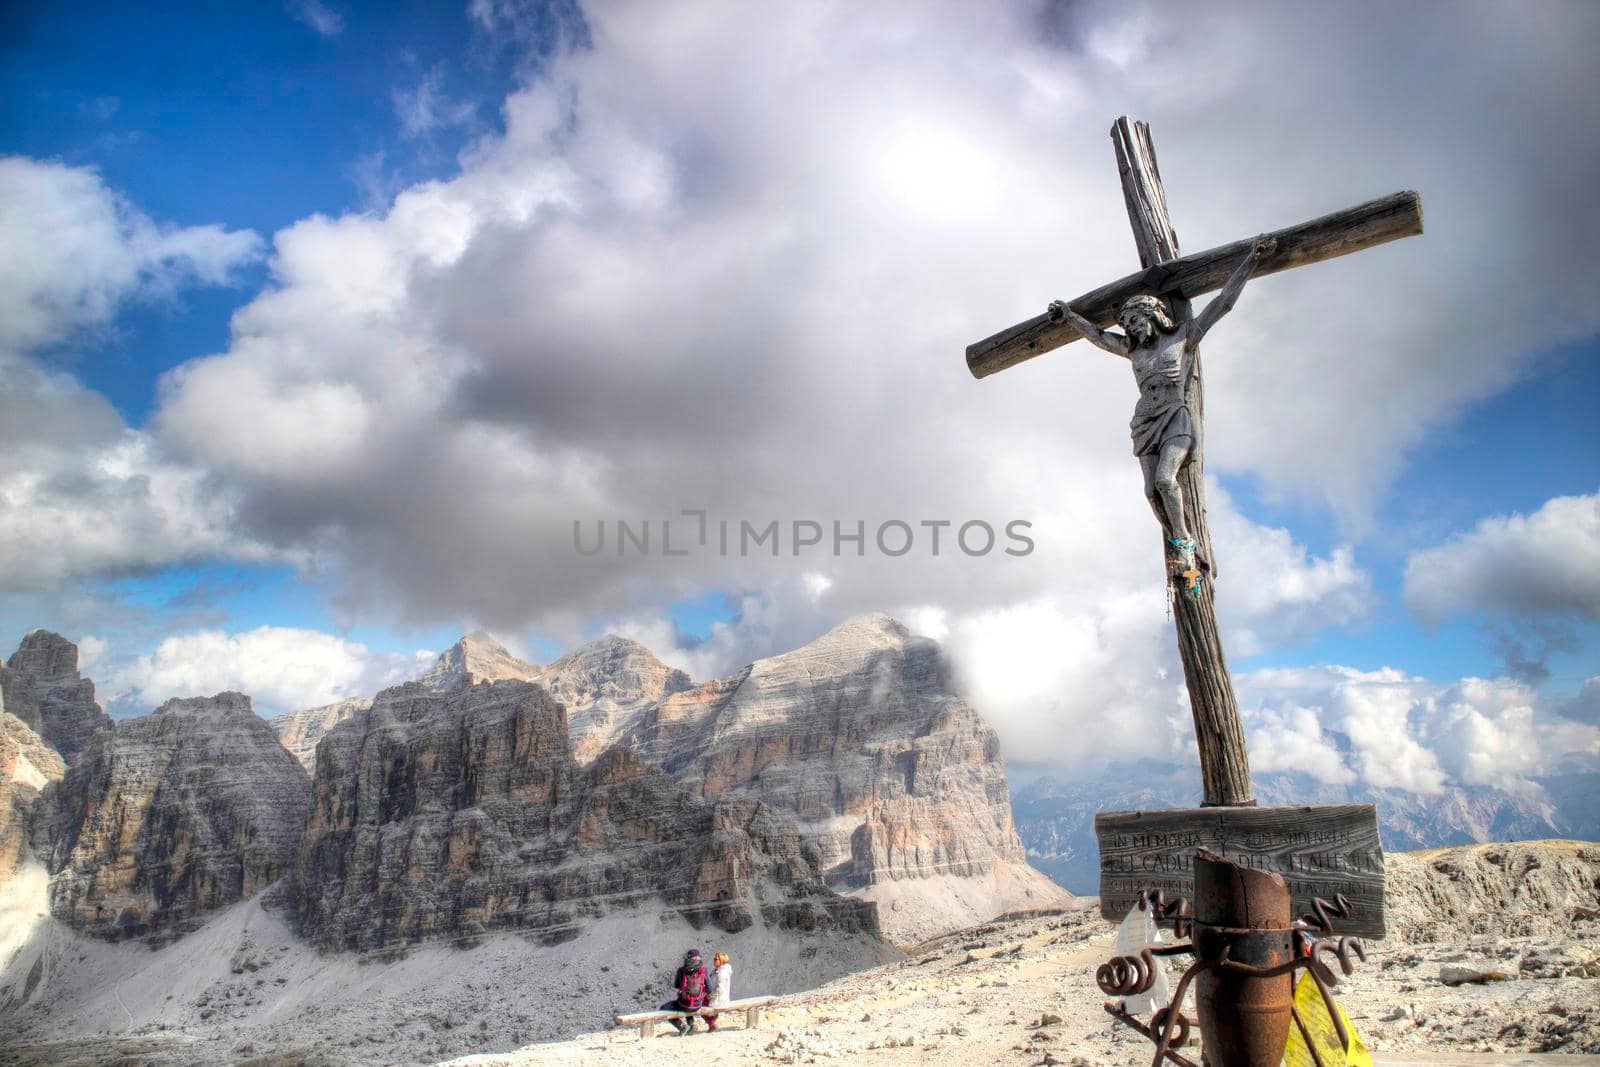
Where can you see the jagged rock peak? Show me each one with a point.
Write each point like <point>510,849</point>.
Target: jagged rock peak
<point>40,685</point>
<point>475,658</point>
<point>613,649</point>
<point>606,685</point>
<point>45,656</point>
<point>862,737</point>
<point>870,632</point>
<point>228,703</point>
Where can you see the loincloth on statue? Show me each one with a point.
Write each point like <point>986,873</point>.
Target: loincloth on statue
<point>1152,429</point>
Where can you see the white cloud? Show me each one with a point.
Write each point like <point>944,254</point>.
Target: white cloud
<point>80,492</point>
<point>1377,710</point>
<point>75,252</point>
<point>1484,732</point>
<point>1544,564</point>
<point>639,300</point>
<point>90,650</point>
<point>319,16</point>
<point>94,499</point>
<point>1388,729</point>
<point>1293,740</point>
<point>281,668</point>
<point>1272,591</point>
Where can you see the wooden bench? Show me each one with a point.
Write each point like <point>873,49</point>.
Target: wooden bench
<point>646,1020</point>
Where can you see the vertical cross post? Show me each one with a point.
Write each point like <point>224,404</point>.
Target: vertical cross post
<point>1224,764</point>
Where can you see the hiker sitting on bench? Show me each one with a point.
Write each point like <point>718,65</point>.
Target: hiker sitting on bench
<point>721,986</point>
<point>690,982</point>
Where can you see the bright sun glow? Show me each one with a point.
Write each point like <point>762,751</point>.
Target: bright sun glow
<point>928,170</point>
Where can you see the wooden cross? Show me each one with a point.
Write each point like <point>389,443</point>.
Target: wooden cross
<point>1224,763</point>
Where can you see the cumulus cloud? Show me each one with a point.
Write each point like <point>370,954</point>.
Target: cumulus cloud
<point>638,300</point>
<point>281,668</point>
<point>1527,566</point>
<point>80,492</point>
<point>1292,739</point>
<point>1391,730</point>
<point>76,251</point>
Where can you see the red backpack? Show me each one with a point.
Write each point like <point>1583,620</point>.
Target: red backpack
<point>693,992</point>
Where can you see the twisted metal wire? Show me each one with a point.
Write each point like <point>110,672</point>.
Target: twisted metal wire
<point>1126,976</point>
<point>1346,947</point>
<point>1180,1036</point>
<point>1320,917</point>
<point>1175,910</point>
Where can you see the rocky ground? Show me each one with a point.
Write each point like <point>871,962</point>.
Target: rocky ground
<point>1515,926</point>
<point>1023,991</point>
<point>244,988</point>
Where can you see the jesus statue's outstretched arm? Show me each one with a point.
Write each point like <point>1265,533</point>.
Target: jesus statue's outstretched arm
<point>1115,343</point>
<point>1230,291</point>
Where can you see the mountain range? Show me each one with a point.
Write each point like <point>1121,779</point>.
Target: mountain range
<point>844,786</point>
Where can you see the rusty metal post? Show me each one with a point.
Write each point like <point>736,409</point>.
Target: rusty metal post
<point>1242,916</point>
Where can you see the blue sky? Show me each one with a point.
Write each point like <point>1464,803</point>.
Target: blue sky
<point>645,138</point>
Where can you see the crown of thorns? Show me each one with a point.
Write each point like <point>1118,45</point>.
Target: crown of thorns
<point>1143,301</point>
<point>1152,305</point>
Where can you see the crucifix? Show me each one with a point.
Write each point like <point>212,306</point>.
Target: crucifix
<point>1162,342</point>
<point>1246,866</point>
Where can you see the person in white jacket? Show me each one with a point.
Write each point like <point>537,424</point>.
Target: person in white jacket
<point>721,986</point>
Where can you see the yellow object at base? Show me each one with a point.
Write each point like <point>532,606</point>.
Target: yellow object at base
<point>1313,1011</point>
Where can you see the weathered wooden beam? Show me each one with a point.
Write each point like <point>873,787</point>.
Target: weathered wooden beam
<point>1376,222</point>
<point>1219,732</point>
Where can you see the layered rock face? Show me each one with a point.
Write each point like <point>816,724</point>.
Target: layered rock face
<point>301,731</point>
<point>41,686</point>
<point>443,815</point>
<point>27,765</point>
<point>166,817</point>
<point>861,736</point>
<point>475,658</point>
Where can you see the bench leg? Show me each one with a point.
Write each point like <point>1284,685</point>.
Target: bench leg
<point>752,1017</point>
<point>647,1030</point>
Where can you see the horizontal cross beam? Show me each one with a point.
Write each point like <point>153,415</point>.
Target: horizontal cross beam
<point>1388,218</point>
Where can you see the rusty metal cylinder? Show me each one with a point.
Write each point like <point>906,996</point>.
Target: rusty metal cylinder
<point>1244,1020</point>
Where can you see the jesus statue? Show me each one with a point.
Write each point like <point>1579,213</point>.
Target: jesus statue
<point>1163,353</point>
